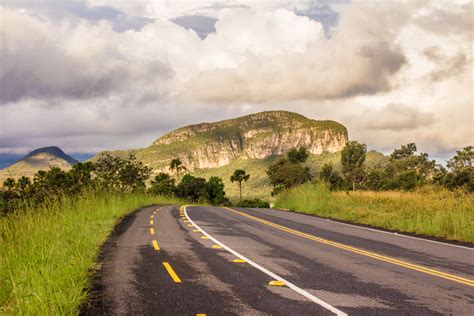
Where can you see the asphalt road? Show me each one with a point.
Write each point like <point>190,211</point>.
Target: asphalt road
<point>167,261</point>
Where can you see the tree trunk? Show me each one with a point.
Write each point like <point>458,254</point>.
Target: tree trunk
<point>353,185</point>
<point>240,189</point>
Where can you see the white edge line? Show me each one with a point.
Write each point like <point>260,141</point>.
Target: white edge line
<point>376,230</point>
<point>269,273</point>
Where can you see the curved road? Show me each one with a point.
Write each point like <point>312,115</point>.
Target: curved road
<point>219,261</point>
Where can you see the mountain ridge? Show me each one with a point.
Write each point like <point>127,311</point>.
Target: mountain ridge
<point>255,136</point>
<point>39,159</point>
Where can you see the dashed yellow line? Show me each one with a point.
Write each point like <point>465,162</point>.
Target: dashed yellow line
<point>151,222</point>
<point>152,231</point>
<point>171,272</point>
<point>366,253</point>
<point>155,245</point>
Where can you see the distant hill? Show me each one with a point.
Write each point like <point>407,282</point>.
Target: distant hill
<point>250,142</point>
<point>256,136</point>
<point>39,159</point>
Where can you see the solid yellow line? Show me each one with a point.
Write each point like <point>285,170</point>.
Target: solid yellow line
<point>155,245</point>
<point>152,231</point>
<point>394,261</point>
<point>171,272</point>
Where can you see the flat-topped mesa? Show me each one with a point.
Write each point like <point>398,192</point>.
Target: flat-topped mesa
<point>261,135</point>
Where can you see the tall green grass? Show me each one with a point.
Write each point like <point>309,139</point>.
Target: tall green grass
<point>429,211</point>
<point>49,252</point>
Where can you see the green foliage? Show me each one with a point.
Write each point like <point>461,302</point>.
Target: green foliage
<point>255,203</point>
<point>177,165</point>
<point>191,188</point>
<point>432,211</point>
<point>109,173</point>
<point>215,191</point>
<point>163,184</point>
<point>405,170</point>
<point>239,176</point>
<point>298,155</point>
<point>285,174</point>
<point>352,161</point>
<point>331,177</point>
<point>117,173</point>
<point>199,190</point>
<point>461,168</point>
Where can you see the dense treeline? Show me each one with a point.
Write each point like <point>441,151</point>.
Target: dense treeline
<point>111,174</point>
<point>404,170</point>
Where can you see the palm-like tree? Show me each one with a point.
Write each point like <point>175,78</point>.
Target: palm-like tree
<point>240,176</point>
<point>9,183</point>
<point>177,165</point>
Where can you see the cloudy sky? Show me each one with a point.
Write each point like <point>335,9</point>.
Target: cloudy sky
<point>90,75</point>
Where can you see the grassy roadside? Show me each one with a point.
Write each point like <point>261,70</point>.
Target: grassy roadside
<point>47,253</point>
<point>430,211</point>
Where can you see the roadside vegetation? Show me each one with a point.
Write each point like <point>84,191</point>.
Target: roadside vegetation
<point>49,251</point>
<point>52,227</point>
<point>431,210</point>
<point>408,193</point>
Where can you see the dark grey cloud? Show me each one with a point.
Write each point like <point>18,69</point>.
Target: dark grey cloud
<point>202,25</point>
<point>447,66</point>
<point>40,61</point>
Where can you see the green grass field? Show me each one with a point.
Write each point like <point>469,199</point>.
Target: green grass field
<point>429,211</point>
<point>48,253</point>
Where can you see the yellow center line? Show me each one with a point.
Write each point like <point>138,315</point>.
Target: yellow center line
<point>373,255</point>
<point>155,245</point>
<point>152,231</point>
<point>171,272</point>
<point>151,222</point>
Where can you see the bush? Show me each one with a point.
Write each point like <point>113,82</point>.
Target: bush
<point>255,203</point>
<point>163,184</point>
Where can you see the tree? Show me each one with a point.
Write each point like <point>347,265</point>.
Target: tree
<point>331,177</point>
<point>9,183</point>
<point>461,170</point>
<point>163,184</point>
<point>406,170</point>
<point>177,165</point>
<point>326,172</point>
<point>352,160</point>
<point>191,188</point>
<point>284,174</point>
<point>297,155</point>
<point>239,176</point>
<point>121,174</point>
<point>81,175</point>
<point>133,174</point>
<point>215,191</point>
<point>107,170</point>
<point>404,151</point>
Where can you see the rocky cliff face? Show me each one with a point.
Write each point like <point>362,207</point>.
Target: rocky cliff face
<point>210,145</point>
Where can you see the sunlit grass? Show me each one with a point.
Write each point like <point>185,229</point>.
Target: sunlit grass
<point>48,253</point>
<point>430,211</point>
